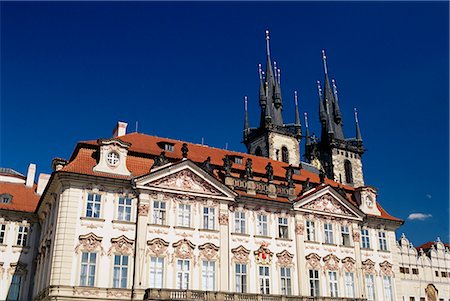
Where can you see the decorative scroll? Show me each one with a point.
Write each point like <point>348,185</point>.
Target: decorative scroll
<point>348,264</point>
<point>143,209</point>
<point>184,249</point>
<point>208,250</point>
<point>263,255</point>
<point>240,254</point>
<point>223,219</point>
<point>386,268</point>
<point>356,236</point>
<point>331,262</point>
<point>89,243</point>
<point>313,260</point>
<point>299,228</point>
<point>369,267</point>
<point>121,245</point>
<point>285,258</point>
<point>186,180</point>
<point>327,204</point>
<point>157,246</point>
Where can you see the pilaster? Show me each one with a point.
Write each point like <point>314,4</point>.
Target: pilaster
<point>143,208</point>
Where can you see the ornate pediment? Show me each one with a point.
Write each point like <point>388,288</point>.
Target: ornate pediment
<point>313,261</point>
<point>386,268</point>
<point>208,250</point>
<point>285,258</point>
<point>89,243</point>
<point>184,249</point>
<point>157,246</point>
<point>240,254</point>
<point>186,180</point>
<point>331,262</point>
<point>121,245</point>
<point>263,255</point>
<point>327,204</point>
<point>348,264</point>
<point>369,266</point>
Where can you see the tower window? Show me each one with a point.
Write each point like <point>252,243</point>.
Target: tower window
<point>284,154</point>
<point>348,171</point>
<point>258,151</point>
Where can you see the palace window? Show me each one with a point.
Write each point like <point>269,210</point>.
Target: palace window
<point>264,280</point>
<point>365,240</point>
<point>370,287</point>
<point>333,282</point>
<point>168,147</point>
<point>285,274</point>
<point>415,271</point>
<point>22,236</point>
<point>124,209</point>
<point>241,277</point>
<point>183,274</point>
<point>387,284</point>
<point>156,272</point>
<point>208,218</point>
<point>262,225</point>
<point>112,158</point>
<point>328,233</point>
<point>345,236</point>
<point>208,275</point>
<point>348,172</point>
<point>93,205</point>
<point>2,233</point>
<point>349,285</point>
<point>283,227</point>
<point>239,222</point>
<point>382,240</point>
<point>314,284</point>
<point>87,274</point>
<point>310,232</point>
<point>159,212</point>
<point>285,154</point>
<point>14,288</point>
<point>184,215</point>
<point>120,272</point>
<point>5,198</point>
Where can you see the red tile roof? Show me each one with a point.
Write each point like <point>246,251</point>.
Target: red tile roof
<point>426,246</point>
<point>23,198</point>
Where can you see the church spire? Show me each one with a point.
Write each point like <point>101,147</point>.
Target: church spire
<point>337,109</point>
<point>308,139</point>
<point>322,114</point>
<point>358,131</point>
<point>298,125</point>
<point>246,122</point>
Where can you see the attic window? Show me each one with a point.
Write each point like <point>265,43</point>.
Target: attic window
<point>238,160</point>
<point>166,146</point>
<point>5,198</point>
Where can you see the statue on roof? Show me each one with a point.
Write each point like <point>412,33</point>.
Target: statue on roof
<point>184,150</point>
<point>289,178</point>
<point>269,172</point>
<point>248,169</point>
<point>160,160</point>
<point>206,165</point>
<point>227,165</point>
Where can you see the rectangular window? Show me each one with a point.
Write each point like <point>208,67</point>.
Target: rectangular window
<point>208,218</point>
<point>87,273</point>
<point>423,299</point>
<point>285,274</point>
<point>370,287</point>
<point>412,298</point>
<point>241,277</point>
<point>365,241</point>
<point>124,209</point>
<point>168,147</point>
<point>382,240</point>
<point>349,285</point>
<point>183,274</point>
<point>159,213</point>
<point>14,288</point>
<point>444,274</point>
<point>328,233</point>
<point>314,283</point>
<point>345,235</point>
<point>2,233</point>
<point>262,225</point>
<point>208,275</point>
<point>310,232</point>
<point>239,222</point>
<point>264,280</point>
<point>406,270</point>
<point>332,278</point>
<point>184,215</point>
<point>120,272</point>
<point>22,236</point>
<point>387,284</point>
<point>283,227</point>
<point>415,271</point>
<point>436,273</point>
<point>156,272</point>
<point>93,205</point>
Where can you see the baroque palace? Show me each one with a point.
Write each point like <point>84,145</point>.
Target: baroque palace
<point>139,217</point>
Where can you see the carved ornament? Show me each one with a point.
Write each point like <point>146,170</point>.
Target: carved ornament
<point>348,264</point>
<point>331,262</point>
<point>18,268</point>
<point>121,245</point>
<point>313,260</point>
<point>327,204</point>
<point>240,254</point>
<point>208,250</point>
<point>184,249</point>
<point>299,228</point>
<point>223,219</point>
<point>143,209</point>
<point>285,258</point>
<point>356,236</point>
<point>263,255</point>
<point>157,246</point>
<point>186,180</point>
<point>369,267</point>
<point>386,268</point>
<point>89,243</point>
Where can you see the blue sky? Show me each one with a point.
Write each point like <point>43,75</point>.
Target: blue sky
<point>70,70</point>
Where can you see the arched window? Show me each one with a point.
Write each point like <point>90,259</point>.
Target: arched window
<point>258,151</point>
<point>348,172</point>
<point>284,154</point>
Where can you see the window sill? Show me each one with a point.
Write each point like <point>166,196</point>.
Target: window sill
<point>158,225</point>
<point>184,228</point>
<point>284,239</point>
<point>20,247</point>
<point>384,251</point>
<point>262,236</point>
<point>346,246</point>
<point>209,230</point>
<point>328,244</point>
<point>312,242</point>
<point>366,249</point>
<point>240,234</point>
<point>97,219</point>
<point>123,222</point>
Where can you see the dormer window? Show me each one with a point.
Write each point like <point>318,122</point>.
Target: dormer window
<point>166,146</point>
<point>113,159</point>
<point>5,198</point>
<point>237,159</point>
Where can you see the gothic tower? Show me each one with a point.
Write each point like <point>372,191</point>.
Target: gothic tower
<point>338,157</point>
<point>273,138</point>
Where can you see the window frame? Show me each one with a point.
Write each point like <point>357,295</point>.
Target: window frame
<point>365,239</point>
<point>262,225</point>
<point>382,241</point>
<point>328,233</point>
<point>264,279</point>
<point>346,241</point>
<point>181,282</point>
<point>283,227</point>
<point>208,275</point>
<point>388,291</point>
<point>184,213</point>
<point>19,287</point>
<point>156,270</point>
<point>370,287</point>
<point>310,230</point>
<point>124,206</point>
<point>314,282</point>
<point>349,283</point>
<point>209,218</point>
<point>333,284</point>
<point>239,222</point>
<point>159,213</point>
<point>94,202</point>
<point>2,234</point>
<point>22,235</point>
<point>242,276</point>
<point>286,281</point>
<point>123,270</point>
<point>89,264</point>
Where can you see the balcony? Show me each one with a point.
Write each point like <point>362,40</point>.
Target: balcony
<point>188,295</point>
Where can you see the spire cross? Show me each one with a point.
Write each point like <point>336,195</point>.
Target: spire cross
<point>267,43</point>
<point>324,58</point>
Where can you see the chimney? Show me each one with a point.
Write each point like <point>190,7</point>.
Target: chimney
<point>42,183</point>
<point>120,129</point>
<point>30,175</point>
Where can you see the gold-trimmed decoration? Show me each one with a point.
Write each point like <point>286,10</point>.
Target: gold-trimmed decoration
<point>263,255</point>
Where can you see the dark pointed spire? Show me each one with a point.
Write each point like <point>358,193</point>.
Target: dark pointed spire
<point>246,122</point>
<point>329,121</point>
<point>358,131</point>
<point>337,109</point>
<point>269,70</point>
<point>322,114</point>
<point>308,139</point>
<point>298,124</point>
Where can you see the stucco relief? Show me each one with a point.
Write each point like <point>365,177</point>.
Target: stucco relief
<point>89,243</point>
<point>121,245</point>
<point>85,291</point>
<point>299,228</point>
<point>285,259</point>
<point>143,209</point>
<point>223,219</point>
<point>118,293</point>
<point>386,268</point>
<point>184,249</point>
<point>348,264</point>
<point>313,261</point>
<point>331,262</point>
<point>240,254</point>
<point>263,255</point>
<point>186,180</point>
<point>356,236</point>
<point>208,251</point>
<point>328,204</point>
<point>369,267</point>
<point>157,246</point>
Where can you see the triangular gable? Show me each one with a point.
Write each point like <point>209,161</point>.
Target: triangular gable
<point>184,177</point>
<point>328,201</point>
